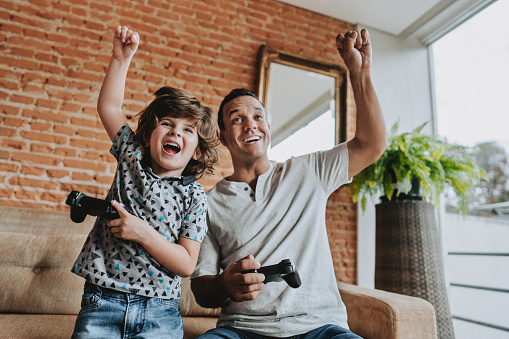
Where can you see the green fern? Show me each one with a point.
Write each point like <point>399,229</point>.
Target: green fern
<point>434,163</point>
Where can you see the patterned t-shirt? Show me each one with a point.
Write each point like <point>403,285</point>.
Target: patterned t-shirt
<point>174,206</point>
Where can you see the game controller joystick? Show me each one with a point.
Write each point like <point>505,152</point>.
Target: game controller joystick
<point>81,205</point>
<point>285,270</point>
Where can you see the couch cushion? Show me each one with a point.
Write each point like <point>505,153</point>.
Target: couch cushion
<point>39,222</point>
<point>189,306</point>
<point>36,271</point>
<point>50,326</point>
<point>36,326</point>
<point>194,326</point>
<point>37,259</point>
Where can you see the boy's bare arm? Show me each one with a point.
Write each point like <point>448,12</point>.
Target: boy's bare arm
<point>111,97</point>
<point>179,258</point>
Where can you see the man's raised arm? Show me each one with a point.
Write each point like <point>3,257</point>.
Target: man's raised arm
<point>370,139</point>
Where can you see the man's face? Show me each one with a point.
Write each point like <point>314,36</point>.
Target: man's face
<point>247,131</point>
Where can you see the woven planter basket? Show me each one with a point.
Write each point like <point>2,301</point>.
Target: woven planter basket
<point>408,256</point>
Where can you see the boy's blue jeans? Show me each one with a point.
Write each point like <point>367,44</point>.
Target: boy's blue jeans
<point>111,314</point>
<point>324,332</point>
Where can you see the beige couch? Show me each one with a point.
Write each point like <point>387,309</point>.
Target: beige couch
<point>40,297</point>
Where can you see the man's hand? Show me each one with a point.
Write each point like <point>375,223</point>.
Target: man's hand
<point>355,49</point>
<point>240,286</point>
<point>128,226</point>
<point>125,43</point>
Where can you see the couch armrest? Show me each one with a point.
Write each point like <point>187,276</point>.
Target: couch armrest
<point>374,314</point>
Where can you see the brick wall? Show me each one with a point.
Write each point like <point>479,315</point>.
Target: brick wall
<point>53,58</point>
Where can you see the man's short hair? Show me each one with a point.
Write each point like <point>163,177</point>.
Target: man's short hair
<point>235,93</point>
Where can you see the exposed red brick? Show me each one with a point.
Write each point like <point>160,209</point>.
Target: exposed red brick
<point>27,195</point>
<point>14,144</point>
<point>54,173</point>
<point>5,167</point>
<point>29,182</point>
<point>24,157</point>
<point>53,197</point>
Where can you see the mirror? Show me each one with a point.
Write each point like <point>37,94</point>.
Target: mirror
<point>299,93</point>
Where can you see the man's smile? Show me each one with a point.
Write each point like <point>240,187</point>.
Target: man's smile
<point>251,139</point>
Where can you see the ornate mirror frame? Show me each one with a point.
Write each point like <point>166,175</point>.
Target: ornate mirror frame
<point>269,55</point>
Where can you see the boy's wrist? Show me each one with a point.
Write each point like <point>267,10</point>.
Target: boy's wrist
<point>120,60</point>
<point>147,234</point>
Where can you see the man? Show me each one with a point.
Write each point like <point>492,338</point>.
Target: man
<point>266,211</point>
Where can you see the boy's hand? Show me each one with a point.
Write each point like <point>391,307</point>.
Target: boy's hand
<point>125,43</point>
<point>128,226</point>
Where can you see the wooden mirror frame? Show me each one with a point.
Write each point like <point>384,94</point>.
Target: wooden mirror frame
<point>268,55</point>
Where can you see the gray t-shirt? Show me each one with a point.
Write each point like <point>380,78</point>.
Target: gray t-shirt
<point>283,218</point>
<point>174,206</point>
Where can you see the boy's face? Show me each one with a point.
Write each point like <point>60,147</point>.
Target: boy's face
<point>173,143</point>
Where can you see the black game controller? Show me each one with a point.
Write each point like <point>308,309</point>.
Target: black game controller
<point>81,205</point>
<point>285,270</point>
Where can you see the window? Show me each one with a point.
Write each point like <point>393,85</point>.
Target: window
<point>319,134</point>
<point>471,72</point>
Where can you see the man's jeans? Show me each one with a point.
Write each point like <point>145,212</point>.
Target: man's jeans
<point>324,332</point>
<point>111,314</point>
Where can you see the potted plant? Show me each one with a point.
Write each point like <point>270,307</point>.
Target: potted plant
<point>417,166</point>
<point>410,176</point>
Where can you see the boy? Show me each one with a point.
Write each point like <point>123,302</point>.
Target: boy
<point>132,265</point>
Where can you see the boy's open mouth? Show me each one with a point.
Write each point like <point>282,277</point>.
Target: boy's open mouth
<point>171,148</point>
<point>251,139</point>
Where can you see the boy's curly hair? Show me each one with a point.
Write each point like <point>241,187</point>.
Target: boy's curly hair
<point>179,103</point>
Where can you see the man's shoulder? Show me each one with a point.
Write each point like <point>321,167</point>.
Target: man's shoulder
<point>338,150</point>
<point>217,189</point>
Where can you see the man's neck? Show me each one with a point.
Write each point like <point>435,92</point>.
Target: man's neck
<point>249,172</point>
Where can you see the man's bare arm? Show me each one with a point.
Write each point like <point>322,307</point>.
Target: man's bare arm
<point>370,138</point>
<point>208,291</point>
<point>214,291</point>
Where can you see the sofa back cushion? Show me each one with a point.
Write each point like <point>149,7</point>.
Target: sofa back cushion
<point>41,222</point>
<point>35,273</point>
<point>189,306</point>
<point>37,251</point>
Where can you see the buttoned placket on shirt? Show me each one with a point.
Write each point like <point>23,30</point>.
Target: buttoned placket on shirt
<point>257,194</point>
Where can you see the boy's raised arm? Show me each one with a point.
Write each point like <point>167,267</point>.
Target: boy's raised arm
<point>109,104</point>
